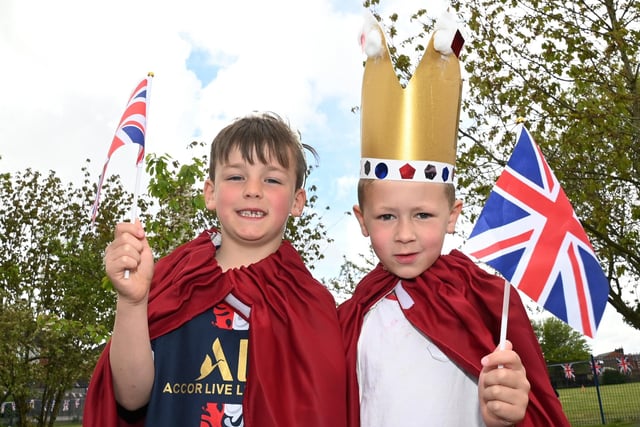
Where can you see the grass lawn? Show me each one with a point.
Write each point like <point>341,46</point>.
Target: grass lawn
<point>620,404</point>
<point>629,424</point>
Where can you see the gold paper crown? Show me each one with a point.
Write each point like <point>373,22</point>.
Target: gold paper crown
<point>410,133</point>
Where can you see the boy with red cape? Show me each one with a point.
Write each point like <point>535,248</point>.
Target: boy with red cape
<point>422,329</point>
<point>230,328</point>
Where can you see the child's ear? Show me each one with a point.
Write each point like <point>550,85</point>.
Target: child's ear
<point>453,216</point>
<point>299,200</point>
<point>209,195</point>
<point>360,217</point>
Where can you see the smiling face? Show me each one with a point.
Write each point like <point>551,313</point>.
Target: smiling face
<point>252,202</point>
<point>407,223</point>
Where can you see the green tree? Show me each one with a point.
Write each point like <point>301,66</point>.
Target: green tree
<point>559,342</point>
<point>571,69</point>
<point>53,312</point>
<point>350,274</point>
<point>176,211</point>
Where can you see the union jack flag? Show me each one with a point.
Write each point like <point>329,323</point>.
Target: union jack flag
<point>568,371</point>
<point>596,367</point>
<point>623,365</point>
<point>130,130</point>
<point>528,231</point>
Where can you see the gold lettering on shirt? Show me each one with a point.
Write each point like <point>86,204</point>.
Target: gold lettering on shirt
<point>219,389</point>
<point>208,366</point>
<point>242,360</point>
<point>182,388</point>
<point>167,388</point>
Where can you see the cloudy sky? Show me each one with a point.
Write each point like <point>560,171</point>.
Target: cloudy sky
<point>70,66</point>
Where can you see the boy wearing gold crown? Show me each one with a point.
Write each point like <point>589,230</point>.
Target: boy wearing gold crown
<point>421,329</point>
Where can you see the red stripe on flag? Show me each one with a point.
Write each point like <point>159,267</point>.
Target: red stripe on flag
<point>503,244</point>
<point>582,298</point>
<point>546,169</point>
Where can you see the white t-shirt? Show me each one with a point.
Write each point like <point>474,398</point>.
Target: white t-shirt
<point>405,380</point>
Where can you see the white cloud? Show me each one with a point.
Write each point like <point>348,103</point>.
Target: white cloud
<point>346,188</point>
<point>614,333</point>
<point>72,68</point>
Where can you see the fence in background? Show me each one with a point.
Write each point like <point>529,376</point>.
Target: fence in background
<point>599,391</point>
<point>71,409</point>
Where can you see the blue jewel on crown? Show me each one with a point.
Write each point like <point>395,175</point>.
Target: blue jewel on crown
<point>382,170</point>
<point>445,174</point>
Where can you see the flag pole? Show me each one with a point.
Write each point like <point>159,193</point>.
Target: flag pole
<point>134,206</point>
<point>505,314</point>
<point>133,213</point>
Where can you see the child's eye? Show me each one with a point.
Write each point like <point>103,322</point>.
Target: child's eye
<point>386,217</point>
<point>234,178</point>
<point>273,181</point>
<point>423,215</point>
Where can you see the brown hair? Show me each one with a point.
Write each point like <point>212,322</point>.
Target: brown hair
<point>264,135</point>
<point>364,183</point>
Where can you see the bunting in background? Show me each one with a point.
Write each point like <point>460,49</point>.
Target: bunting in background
<point>596,367</point>
<point>623,365</point>
<point>569,373</point>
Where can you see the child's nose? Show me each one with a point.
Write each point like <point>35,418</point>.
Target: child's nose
<point>404,231</point>
<point>253,188</point>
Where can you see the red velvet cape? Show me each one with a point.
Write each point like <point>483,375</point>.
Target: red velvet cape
<point>297,372</point>
<point>459,307</point>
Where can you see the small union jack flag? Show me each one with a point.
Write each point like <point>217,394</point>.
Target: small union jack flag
<point>623,365</point>
<point>528,231</point>
<point>596,367</point>
<point>568,371</point>
<point>130,130</point>
<point>132,125</point>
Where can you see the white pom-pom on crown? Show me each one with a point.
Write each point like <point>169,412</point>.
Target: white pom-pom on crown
<point>445,31</point>
<point>372,43</point>
<point>370,39</point>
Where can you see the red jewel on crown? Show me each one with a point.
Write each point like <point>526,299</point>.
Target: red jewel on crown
<point>407,171</point>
